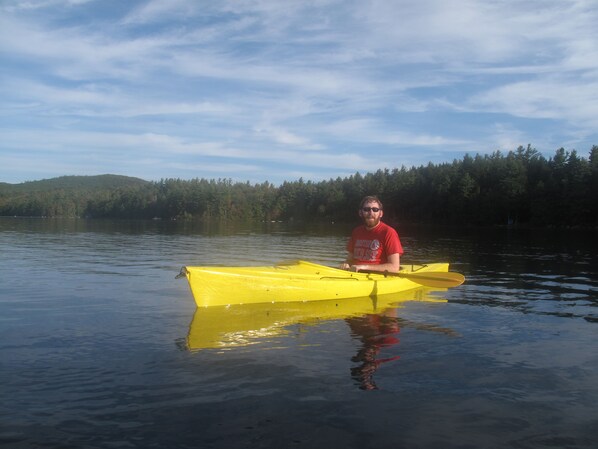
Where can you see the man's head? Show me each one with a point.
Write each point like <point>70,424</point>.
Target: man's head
<point>370,210</point>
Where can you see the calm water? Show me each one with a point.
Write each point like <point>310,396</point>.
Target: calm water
<point>100,347</point>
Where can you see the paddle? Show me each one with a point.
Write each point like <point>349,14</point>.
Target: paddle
<point>430,279</point>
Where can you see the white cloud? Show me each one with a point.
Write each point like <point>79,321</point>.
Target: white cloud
<point>20,5</point>
<point>286,138</point>
<point>547,99</point>
<point>367,130</point>
<point>157,10</point>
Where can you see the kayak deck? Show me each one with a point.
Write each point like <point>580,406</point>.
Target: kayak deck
<point>294,281</point>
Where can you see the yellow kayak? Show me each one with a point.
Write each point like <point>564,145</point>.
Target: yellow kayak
<point>305,281</point>
<point>223,327</point>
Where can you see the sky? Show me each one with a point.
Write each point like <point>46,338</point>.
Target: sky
<point>278,90</point>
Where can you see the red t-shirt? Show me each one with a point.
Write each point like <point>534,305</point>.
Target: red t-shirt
<point>374,246</point>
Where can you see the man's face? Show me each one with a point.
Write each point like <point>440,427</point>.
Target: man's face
<point>371,214</point>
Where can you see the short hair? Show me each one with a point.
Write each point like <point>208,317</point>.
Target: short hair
<point>371,199</point>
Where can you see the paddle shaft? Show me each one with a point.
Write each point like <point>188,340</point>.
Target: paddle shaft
<point>430,279</point>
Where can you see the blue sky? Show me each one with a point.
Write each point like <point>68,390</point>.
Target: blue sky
<point>275,90</point>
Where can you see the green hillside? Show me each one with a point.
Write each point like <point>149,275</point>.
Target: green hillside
<point>66,196</point>
<point>69,183</point>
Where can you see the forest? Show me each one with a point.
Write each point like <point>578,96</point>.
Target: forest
<point>521,187</point>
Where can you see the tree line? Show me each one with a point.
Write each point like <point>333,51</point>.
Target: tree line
<point>520,187</point>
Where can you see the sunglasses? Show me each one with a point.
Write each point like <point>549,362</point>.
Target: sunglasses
<point>370,209</point>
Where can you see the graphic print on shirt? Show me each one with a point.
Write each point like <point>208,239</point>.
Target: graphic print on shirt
<point>366,250</point>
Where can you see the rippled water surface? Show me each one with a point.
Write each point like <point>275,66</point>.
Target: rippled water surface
<point>100,347</point>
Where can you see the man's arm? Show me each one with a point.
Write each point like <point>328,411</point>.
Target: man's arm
<point>346,265</point>
<point>392,265</point>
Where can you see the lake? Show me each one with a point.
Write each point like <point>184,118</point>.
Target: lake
<point>100,346</point>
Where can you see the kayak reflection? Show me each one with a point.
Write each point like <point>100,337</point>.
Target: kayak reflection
<point>221,327</point>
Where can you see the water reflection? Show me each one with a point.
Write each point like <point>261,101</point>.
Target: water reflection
<point>376,331</point>
<point>373,321</point>
<point>62,225</point>
<point>224,327</point>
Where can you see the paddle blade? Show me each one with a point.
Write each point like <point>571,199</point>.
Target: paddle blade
<point>443,280</point>
<point>430,279</point>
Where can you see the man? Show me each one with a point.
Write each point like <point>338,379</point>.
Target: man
<point>373,245</point>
